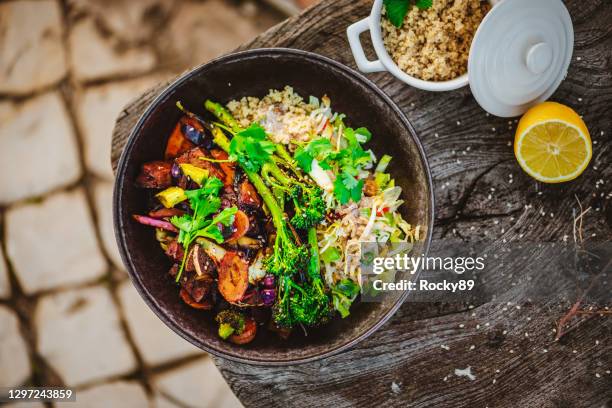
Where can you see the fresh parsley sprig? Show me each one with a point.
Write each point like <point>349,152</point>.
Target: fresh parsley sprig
<point>205,202</point>
<point>397,9</point>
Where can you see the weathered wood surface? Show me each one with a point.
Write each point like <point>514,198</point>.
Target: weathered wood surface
<point>480,193</point>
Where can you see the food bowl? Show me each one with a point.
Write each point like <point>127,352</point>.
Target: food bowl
<point>385,62</point>
<point>518,57</point>
<point>254,73</point>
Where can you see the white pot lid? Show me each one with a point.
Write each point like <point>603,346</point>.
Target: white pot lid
<point>520,55</point>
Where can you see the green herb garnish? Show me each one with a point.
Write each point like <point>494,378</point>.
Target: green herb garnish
<point>251,147</point>
<point>346,163</point>
<point>205,202</point>
<point>347,187</point>
<point>397,9</point>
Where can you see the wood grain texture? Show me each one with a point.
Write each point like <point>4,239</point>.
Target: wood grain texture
<point>480,193</point>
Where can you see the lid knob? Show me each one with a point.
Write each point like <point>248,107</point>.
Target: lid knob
<point>539,58</point>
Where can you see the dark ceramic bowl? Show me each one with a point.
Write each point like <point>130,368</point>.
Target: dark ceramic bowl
<point>254,73</point>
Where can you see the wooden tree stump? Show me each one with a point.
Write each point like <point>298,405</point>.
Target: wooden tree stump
<point>480,193</point>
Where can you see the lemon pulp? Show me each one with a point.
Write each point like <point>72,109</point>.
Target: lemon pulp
<point>552,143</point>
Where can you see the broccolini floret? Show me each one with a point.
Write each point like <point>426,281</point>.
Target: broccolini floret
<point>230,322</point>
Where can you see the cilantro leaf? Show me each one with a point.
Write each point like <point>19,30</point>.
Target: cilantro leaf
<point>325,165</point>
<point>251,148</point>
<point>396,11</point>
<point>225,217</point>
<point>212,186</point>
<point>304,159</point>
<point>348,180</point>
<point>254,131</point>
<point>351,138</point>
<point>347,187</point>
<point>207,206</point>
<point>319,149</point>
<point>357,190</point>
<point>347,163</point>
<point>342,194</point>
<point>361,157</point>
<point>182,223</point>
<point>211,229</point>
<point>211,232</point>
<point>424,4</point>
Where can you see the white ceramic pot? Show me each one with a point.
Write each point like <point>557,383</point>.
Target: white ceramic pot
<point>384,61</point>
<point>519,55</point>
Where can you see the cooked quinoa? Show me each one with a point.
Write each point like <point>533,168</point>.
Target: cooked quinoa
<point>434,44</point>
<point>283,113</point>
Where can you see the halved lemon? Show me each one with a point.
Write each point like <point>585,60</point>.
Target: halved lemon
<point>552,143</point>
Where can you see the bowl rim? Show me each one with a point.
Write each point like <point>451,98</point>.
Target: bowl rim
<point>118,224</point>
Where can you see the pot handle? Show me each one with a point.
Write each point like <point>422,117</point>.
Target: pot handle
<point>363,63</point>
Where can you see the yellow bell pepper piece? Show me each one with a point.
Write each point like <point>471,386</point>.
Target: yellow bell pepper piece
<point>171,196</point>
<point>196,174</point>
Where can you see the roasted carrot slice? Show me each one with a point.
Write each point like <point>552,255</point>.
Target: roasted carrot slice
<point>204,304</point>
<point>240,227</point>
<point>247,335</point>
<point>228,168</point>
<point>233,277</point>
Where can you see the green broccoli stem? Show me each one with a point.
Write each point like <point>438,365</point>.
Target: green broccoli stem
<point>220,139</point>
<point>284,154</point>
<point>280,175</point>
<point>222,114</point>
<point>266,176</point>
<point>271,168</point>
<point>314,270</point>
<point>315,264</point>
<point>279,194</point>
<point>278,216</point>
<point>277,160</point>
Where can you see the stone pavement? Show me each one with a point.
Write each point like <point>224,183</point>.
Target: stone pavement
<point>68,314</point>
